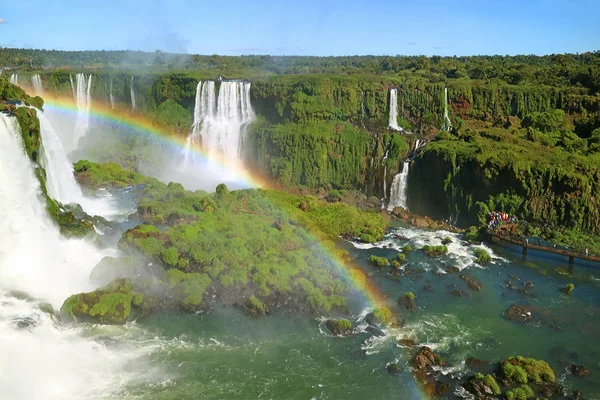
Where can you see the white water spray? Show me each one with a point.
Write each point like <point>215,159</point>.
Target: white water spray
<point>399,185</point>
<point>14,79</point>
<point>112,98</point>
<point>220,124</point>
<point>394,110</point>
<point>132,92</point>
<point>84,102</point>
<point>36,82</point>
<point>73,88</point>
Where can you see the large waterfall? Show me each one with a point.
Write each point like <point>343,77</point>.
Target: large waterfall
<point>220,122</point>
<point>60,181</point>
<point>14,79</point>
<point>132,92</point>
<point>399,185</point>
<point>36,82</point>
<point>42,359</point>
<point>83,100</point>
<point>394,110</point>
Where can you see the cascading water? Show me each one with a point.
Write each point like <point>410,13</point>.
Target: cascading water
<point>60,181</point>
<point>14,79</point>
<point>447,124</point>
<point>40,358</point>
<point>394,110</point>
<point>132,92</point>
<point>73,88</point>
<point>36,81</point>
<point>398,197</point>
<point>111,97</point>
<point>220,124</point>
<point>84,102</point>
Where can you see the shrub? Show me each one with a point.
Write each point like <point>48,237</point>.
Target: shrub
<point>401,258</point>
<point>435,250</point>
<point>382,315</point>
<point>334,196</point>
<point>379,261</point>
<point>479,376</point>
<point>472,235</point>
<point>396,264</point>
<point>483,257</point>
<point>171,256</point>
<point>446,240</point>
<point>490,382</point>
<point>406,248</point>
<point>409,295</point>
<point>523,392</point>
<point>569,287</point>
<point>339,326</point>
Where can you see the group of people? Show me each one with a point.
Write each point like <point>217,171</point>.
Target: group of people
<point>495,219</point>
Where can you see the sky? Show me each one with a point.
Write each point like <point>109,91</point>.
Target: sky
<point>305,27</point>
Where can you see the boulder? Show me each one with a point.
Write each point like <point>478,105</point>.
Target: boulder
<point>579,370</point>
<point>340,327</point>
<point>473,283</point>
<point>394,368</point>
<point>111,304</point>
<point>428,288</point>
<point>426,358</point>
<point>519,313</point>
<point>407,342</point>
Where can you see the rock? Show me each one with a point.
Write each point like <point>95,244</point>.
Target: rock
<point>394,368</point>
<point>519,313</point>
<point>528,285</point>
<point>400,212</point>
<point>407,342</point>
<point>339,326</point>
<point>579,370</point>
<point>408,303</point>
<point>428,288</point>
<point>550,389</point>
<point>426,358</point>
<point>459,293</point>
<point>419,222</point>
<point>441,388</point>
<point>254,307</point>
<point>576,395</point>
<point>375,331</point>
<point>475,362</point>
<point>453,269</point>
<point>473,283</point>
<point>110,304</point>
<point>479,389</point>
<point>514,277</point>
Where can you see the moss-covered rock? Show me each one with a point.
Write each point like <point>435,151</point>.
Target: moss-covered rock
<point>435,251</point>
<point>527,370</point>
<point>111,304</point>
<point>339,326</point>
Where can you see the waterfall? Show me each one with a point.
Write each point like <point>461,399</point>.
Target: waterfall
<point>84,102</point>
<point>399,185</point>
<point>60,181</point>
<point>132,95</point>
<point>43,359</point>
<point>14,79</point>
<point>73,88</point>
<point>220,123</point>
<point>111,97</point>
<point>36,81</point>
<point>447,124</point>
<point>394,110</point>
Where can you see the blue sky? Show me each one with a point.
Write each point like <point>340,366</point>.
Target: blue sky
<point>309,27</point>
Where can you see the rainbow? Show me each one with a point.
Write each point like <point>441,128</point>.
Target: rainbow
<point>126,119</point>
<point>372,295</point>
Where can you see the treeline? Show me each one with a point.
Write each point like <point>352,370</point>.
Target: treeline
<point>580,70</point>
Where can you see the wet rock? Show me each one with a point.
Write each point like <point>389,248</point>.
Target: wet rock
<point>339,326</point>
<point>579,370</point>
<point>576,395</point>
<point>514,277</point>
<point>419,222</point>
<point>394,368</point>
<point>408,302</point>
<point>400,212</point>
<point>550,389</point>
<point>528,285</point>
<point>407,342</point>
<point>459,293</point>
<point>441,388</point>
<point>375,331</point>
<point>428,288</point>
<point>475,362</point>
<point>453,269</point>
<point>473,283</point>
<point>25,322</point>
<point>479,389</point>
<point>426,358</point>
<point>519,313</point>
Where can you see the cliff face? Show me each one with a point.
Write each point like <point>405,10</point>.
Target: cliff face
<point>466,184</point>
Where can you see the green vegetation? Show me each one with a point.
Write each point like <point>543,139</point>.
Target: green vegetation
<point>379,261</point>
<point>472,234</point>
<point>522,392</point>
<point>490,382</point>
<point>446,240</point>
<point>339,326</point>
<point>434,251</point>
<point>108,176</point>
<point>110,304</point>
<point>569,287</point>
<point>406,248</point>
<point>409,295</point>
<point>483,257</point>
<point>401,258</point>
<point>527,370</point>
<point>382,315</point>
